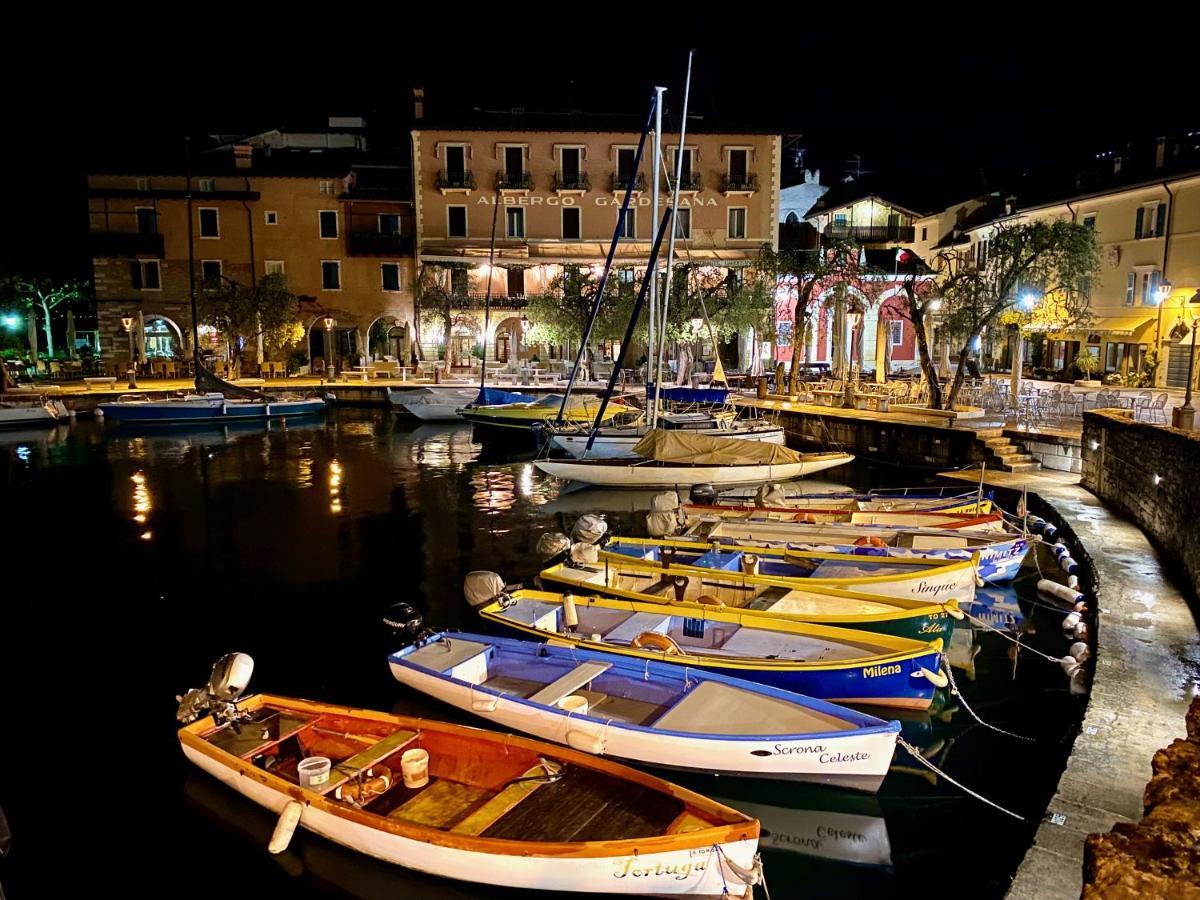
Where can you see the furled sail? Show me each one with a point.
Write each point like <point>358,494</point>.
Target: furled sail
<point>208,382</point>
<point>686,447</point>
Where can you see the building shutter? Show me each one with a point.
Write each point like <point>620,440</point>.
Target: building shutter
<point>1130,284</point>
<point>1160,224</point>
<point>1137,223</point>
<point>135,274</point>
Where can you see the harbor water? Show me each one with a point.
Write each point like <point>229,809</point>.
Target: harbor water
<point>136,558</point>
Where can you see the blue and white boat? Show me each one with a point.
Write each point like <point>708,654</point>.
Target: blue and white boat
<point>207,407</point>
<point>1001,554</point>
<point>650,712</point>
<point>840,664</point>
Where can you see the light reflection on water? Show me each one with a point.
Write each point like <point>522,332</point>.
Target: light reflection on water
<point>246,555</point>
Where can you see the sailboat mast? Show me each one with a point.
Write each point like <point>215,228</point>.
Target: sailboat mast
<point>687,89</point>
<point>487,300</point>
<point>653,266</point>
<point>187,167</point>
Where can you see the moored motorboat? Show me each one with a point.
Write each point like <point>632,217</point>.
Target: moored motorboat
<point>839,664</point>
<point>496,414</point>
<point>36,411</point>
<point>618,442</point>
<point>672,458</point>
<point>650,713</point>
<point>463,803</point>
<point>965,522</point>
<point>432,404</point>
<point>207,407</point>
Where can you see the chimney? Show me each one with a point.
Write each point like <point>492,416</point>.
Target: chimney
<point>1010,203</point>
<point>418,103</point>
<point>243,155</point>
<point>1160,152</point>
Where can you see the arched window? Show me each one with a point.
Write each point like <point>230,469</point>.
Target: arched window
<point>792,219</point>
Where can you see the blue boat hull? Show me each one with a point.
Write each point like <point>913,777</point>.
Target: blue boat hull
<point>176,411</point>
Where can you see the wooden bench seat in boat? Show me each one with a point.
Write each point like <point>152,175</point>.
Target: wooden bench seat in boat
<point>443,655</point>
<point>359,762</point>
<point>637,624</point>
<point>568,683</point>
<point>712,708</point>
<point>250,740</point>
<point>808,603</point>
<point>484,817</point>
<point>537,614</point>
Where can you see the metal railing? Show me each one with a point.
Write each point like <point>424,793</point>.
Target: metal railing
<point>868,234</point>
<point>377,243</point>
<point>577,181</point>
<point>514,181</point>
<point>121,243</point>
<point>621,182</point>
<point>745,182</point>
<point>690,181</point>
<point>464,180</point>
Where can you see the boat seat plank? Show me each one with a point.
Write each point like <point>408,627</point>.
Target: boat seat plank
<point>249,740</point>
<point>441,804</point>
<point>485,816</point>
<point>529,612</point>
<point>443,655</point>
<point>376,753</point>
<point>636,624</point>
<point>576,678</point>
<point>713,708</point>
<point>811,603</point>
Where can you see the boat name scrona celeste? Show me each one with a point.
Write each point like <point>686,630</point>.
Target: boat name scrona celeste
<point>877,671</point>
<point>679,871</point>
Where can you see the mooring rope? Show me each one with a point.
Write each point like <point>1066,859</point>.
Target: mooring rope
<point>1009,637</point>
<point>957,693</point>
<point>916,754</point>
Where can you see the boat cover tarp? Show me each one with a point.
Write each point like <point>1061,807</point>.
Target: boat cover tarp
<point>497,397</point>
<point>689,395</point>
<point>702,449</point>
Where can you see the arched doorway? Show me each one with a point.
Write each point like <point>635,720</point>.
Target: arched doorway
<point>164,340</point>
<point>337,346</point>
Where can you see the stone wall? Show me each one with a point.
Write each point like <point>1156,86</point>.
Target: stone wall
<point>910,444</point>
<point>1151,474</point>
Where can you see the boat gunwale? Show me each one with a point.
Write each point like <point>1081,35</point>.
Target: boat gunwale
<point>953,520</point>
<point>748,829</point>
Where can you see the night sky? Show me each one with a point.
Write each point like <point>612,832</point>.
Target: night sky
<point>927,104</point>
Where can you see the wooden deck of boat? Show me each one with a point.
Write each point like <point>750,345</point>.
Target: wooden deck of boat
<point>588,806</point>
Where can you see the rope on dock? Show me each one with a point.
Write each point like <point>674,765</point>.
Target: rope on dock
<point>916,754</point>
<point>974,715</point>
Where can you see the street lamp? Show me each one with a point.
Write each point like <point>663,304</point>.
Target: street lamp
<point>331,363</point>
<point>1185,416</point>
<point>853,317</point>
<point>127,321</point>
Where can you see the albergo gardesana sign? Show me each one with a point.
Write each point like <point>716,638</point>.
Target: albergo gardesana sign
<point>569,200</point>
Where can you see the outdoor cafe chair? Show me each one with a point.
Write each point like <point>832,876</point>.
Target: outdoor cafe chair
<point>1141,404</point>
<point>1158,410</point>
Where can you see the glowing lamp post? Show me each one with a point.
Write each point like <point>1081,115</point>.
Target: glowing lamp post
<point>1185,416</point>
<point>127,322</point>
<point>331,363</point>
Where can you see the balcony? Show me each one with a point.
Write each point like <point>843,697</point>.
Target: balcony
<point>690,183</point>
<point>870,234</point>
<point>576,181</point>
<point>119,243</point>
<point>376,243</point>
<point>745,183</point>
<point>455,181</point>
<point>621,182</point>
<point>514,181</point>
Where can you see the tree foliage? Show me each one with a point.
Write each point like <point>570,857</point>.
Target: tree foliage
<point>559,315</point>
<point>41,294</point>
<point>246,311</point>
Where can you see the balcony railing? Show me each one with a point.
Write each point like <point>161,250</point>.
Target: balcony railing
<point>375,243</point>
<point>577,181</point>
<point>118,243</point>
<point>870,234</point>
<point>732,183</point>
<point>514,181</point>
<point>690,182</point>
<point>621,182</point>
<point>455,181</point>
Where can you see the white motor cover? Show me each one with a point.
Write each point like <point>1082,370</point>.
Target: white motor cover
<point>230,676</point>
<point>664,501</point>
<point>480,587</point>
<point>589,528</point>
<point>585,554</point>
<point>662,524</point>
<point>552,543</point>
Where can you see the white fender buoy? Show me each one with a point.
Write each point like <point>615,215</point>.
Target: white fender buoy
<point>286,826</point>
<point>1058,591</point>
<point>588,743</point>
<point>1069,664</point>
<point>1035,523</point>
<point>1080,607</point>
<point>1080,651</point>
<point>1073,581</point>
<point>936,678</point>
<point>1049,531</point>
<point>570,615</point>
<point>1067,564</point>
<point>1060,549</point>
<point>1079,682</point>
<point>1081,631</point>
<point>1070,621</point>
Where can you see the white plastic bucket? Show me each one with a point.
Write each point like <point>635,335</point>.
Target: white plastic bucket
<point>313,771</point>
<point>414,766</point>
<point>574,704</point>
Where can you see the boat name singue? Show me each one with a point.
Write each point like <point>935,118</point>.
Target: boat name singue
<point>934,588</point>
<point>679,871</point>
<point>879,671</point>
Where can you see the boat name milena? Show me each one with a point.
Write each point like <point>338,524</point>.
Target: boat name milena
<point>879,671</point>
<point>679,871</point>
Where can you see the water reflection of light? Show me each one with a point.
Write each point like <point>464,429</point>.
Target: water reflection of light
<point>335,486</point>
<point>493,491</point>
<point>23,451</point>
<point>444,449</point>
<point>142,503</point>
<point>526,480</point>
<point>304,472</point>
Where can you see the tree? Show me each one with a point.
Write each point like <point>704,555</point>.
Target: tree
<point>42,294</point>
<point>266,308</point>
<point>560,314</point>
<point>1055,259</point>
<point>434,294</point>
<point>920,302</point>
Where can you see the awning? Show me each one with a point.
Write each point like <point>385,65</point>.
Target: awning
<point>1132,327</point>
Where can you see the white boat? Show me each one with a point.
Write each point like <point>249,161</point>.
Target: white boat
<point>619,443</point>
<point>433,404</point>
<point>650,712</point>
<point>31,412</point>
<point>206,407</point>
<point>673,458</point>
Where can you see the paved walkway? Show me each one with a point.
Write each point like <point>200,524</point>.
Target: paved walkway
<point>1147,670</point>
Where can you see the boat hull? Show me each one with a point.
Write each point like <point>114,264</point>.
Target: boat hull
<point>620,446</point>
<point>24,416</point>
<point>652,475</point>
<point>856,759</point>
<point>438,406</point>
<point>175,411</point>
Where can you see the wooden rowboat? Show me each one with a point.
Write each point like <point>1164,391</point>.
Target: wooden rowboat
<point>497,809</point>
<point>650,713</point>
<point>965,522</point>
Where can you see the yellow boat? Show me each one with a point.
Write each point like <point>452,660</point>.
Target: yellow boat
<point>521,418</point>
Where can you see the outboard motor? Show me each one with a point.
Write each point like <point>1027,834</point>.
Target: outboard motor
<point>482,587</point>
<point>589,529</point>
<point>552,544</point>
<point>404,624</point>
<point>703,494</point>
<point>230,677</point>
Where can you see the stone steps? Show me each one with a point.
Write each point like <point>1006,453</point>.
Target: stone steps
<point>1002,453</point>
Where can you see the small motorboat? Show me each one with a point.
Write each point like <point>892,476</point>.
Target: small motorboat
<point>963,522</point>
<point>839,664</point>
<point>34,411</point>
<point>432,404</point>
<point>498,413</point>
<point>618,442</point>
<point>650,713</point>
<point>674,458</point>
<point>206,407</point>
<point>462,803</point>
<point>1001,554</point>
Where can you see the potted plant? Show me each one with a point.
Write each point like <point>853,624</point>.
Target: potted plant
<point>1087,363</point>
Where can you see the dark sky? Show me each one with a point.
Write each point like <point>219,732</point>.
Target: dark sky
<point>920,99</point>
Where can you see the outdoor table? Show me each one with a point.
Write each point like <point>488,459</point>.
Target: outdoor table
<point>404,370</point>
<point>826,397</point>
<point>364,371</point>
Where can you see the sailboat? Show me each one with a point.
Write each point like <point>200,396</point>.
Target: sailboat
<point>37,411</point>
